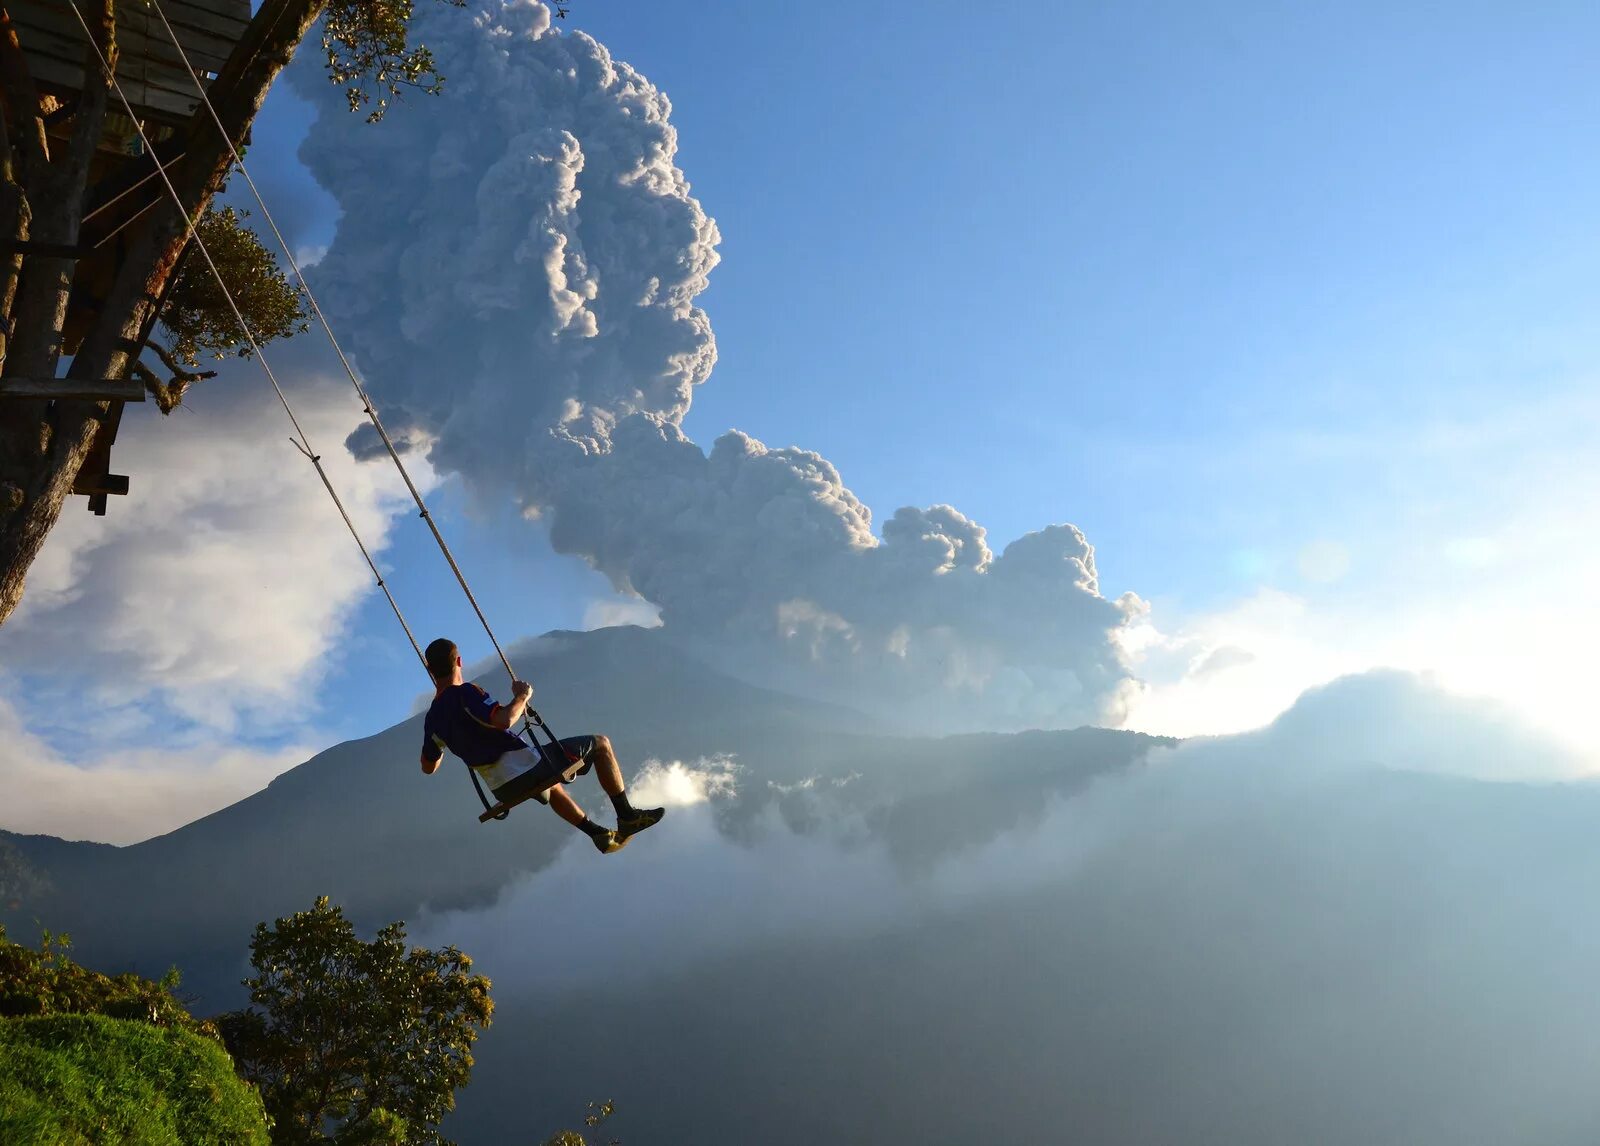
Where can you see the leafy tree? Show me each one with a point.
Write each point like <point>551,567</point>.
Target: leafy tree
<point>355,1041</point>
<point>197,318</point>
<point>50,160</point>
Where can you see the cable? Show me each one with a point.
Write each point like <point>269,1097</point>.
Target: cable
<point>304,442</point>
<point>366,401</point>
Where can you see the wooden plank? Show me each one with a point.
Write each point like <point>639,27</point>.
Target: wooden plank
<point>213,21</point>
<point>208,41</point>
<point>88,389</point>
<point>150,70</point>
<point>498,811</point>
<point>137,44</point>
<point>225,20</point>
<point>162,104</point>
<point>139,54</point>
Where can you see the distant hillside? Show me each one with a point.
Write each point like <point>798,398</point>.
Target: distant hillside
<point>360,823</point>
<point>1316,933</point>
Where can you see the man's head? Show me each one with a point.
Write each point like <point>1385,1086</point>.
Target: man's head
<point>443,660</point>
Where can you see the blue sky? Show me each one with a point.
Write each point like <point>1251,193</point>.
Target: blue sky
<point>1288,308</point>
<point>1198,279</point>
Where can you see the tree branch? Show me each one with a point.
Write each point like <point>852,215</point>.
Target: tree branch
<point>179,374</point>
<point>168,395</point>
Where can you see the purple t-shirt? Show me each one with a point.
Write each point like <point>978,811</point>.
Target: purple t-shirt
<point>458,720</point>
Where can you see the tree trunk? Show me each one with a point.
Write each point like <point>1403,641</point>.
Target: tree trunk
<point>43,444</point>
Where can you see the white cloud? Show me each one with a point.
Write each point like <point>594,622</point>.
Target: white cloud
<point>1241,666</point>
<point>128,795</point>
<point>221,582</point>
<point>1230,670</point>
<point>621,611</point>
<point>674,784</point>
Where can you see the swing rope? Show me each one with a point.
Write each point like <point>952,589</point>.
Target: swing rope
<point>303,443</point>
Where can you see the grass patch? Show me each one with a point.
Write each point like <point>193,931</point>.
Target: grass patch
<point>73,1079</point>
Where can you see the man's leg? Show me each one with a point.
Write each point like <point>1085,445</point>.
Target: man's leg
<point>567,808</point>
<point>606,768</point>
<point>609,773</point>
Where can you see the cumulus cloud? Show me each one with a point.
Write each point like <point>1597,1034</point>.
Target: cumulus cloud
<point>128,795</point>
<point>220,583</point>
<point>517,268</point>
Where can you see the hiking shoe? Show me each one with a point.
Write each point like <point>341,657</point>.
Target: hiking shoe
<point>607,842</point>
<point>637,821</point>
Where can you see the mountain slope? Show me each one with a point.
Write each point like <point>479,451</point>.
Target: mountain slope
<point>360,823</point>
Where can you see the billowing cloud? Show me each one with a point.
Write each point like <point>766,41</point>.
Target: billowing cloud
<point>516,271</point>
<point>219,585</point>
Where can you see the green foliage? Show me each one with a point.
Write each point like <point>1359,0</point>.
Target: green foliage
<point>366,1041</point>
<point>197,315</point>
<point>44,981</point>
<point>365,42</point>
<point>598,1113</point>
<point>86,1079</point>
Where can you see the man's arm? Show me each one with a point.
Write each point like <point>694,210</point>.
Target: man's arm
<point>432,752</point>
<point>505,715</point>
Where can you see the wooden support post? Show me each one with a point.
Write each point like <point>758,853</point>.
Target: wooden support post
<point>95,479</point>
<point>88,389</point>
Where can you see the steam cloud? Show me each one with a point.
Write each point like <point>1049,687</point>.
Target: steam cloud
<point>516,271</point>
<point>1288,935</point>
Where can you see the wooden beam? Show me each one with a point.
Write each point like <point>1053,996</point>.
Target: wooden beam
<point>114,484</point>
<point>89,389</point>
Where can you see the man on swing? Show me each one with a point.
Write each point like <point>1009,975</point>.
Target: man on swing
<point>475,728</point>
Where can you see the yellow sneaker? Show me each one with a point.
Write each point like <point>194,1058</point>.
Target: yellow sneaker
<point>641,819</point>
<point>608,842</point>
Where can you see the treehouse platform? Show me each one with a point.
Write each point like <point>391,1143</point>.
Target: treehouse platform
<point>125,181</point>
<point>149,69</point>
